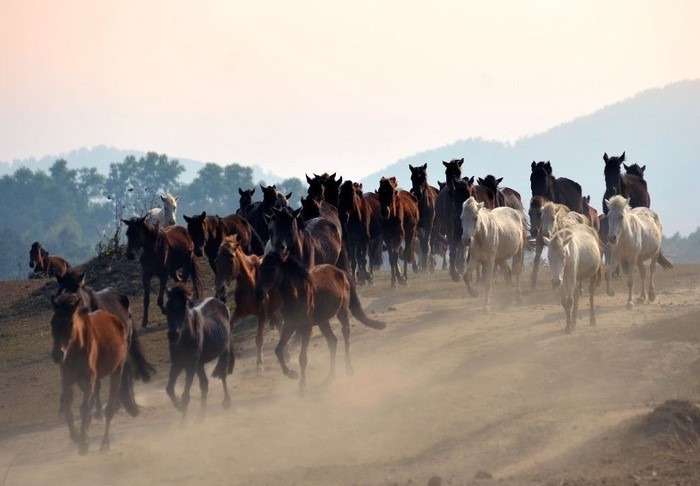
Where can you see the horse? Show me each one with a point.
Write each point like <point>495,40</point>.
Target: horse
<point>427,199</point>
<point>634,236</point>
<point>448,214</point>
<point>400,216</point>
<point>556,189</point>
<point>311,297</point>
<point>315,242</point>
<point>233,264</point>
<point>493,236</point>
<point>496,197</point>
<point>91,346</point>
<point>376,240</point>
<point>354,214</point>
<point>207,233</point>
<point>575,256</point>
<point>631,185</point>
<point>164,253</point>
<point>591,213</point>
<point>198,332</point>
<point>245,202</point>
<point>325,190</point>
<point>259,211</point>
<point>43,263</point>
<point>165,216</point>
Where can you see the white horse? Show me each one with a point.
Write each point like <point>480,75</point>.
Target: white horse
<point>575,255</point>
<point>493,236</point>
<point>634,236</point>
<point>164,216</point>
<point>556,217</point>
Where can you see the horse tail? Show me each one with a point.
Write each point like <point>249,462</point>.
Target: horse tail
<point>144,369</point>
<point>359,313</point>
<point>126,391</point>
<point>664,262</point>
<point>194,273</point>
<point>257,247</point>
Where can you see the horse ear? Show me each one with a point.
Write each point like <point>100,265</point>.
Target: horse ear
<point>424,166</point>
<point>471,181</point>
<point>262,187</point>
<point>622,157</point>
<point>533,165</point>
<point>605,156</point>
<point>607,202</point>
<point>411,168</point>
<point>643,168</point>
<point>480,181</point>
<point>289,195</point>
<point>308,179</point>
<point>240,191</point>
<point>162,198</point>
<point>445,163</point>
<point>126,222</point>
<point>296,212</point>
<point>339,181</point>
<point>187,218</point>
<point>252,191</point>
<point>203,215</point>
<point>460,162</point>
<point>268,219</point>
<point>498,181</point>
<point>627,167</point>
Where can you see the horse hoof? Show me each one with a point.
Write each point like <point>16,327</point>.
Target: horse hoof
<point>83,448</point>
<point>652,297</point>
<point>292,374</point>
<point>260,370</point>
<point>227,403</point>
<point>105,446</point>
<point>630,305</point>
<point>641,300</point>
<point>611,293</point>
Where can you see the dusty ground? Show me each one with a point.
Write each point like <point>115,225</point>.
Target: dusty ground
<point>503,398</point>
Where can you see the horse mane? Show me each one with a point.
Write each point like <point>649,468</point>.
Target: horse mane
<point>617,202</point>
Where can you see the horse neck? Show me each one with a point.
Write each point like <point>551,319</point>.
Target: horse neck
<point>214,233</point>
<point>614,181</point>
<point>247,270</point>
<point>80,330</point>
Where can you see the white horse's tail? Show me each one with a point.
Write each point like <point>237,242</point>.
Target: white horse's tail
<point>664,262</point>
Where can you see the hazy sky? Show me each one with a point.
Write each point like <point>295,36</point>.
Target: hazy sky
<point>300,86</point>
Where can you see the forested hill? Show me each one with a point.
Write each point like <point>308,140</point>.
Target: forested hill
<point>72,210</point>
<point>658,127</point>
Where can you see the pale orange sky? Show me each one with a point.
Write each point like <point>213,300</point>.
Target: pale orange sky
<point>309,86</point>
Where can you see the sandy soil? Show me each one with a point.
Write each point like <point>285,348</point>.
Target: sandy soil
<point>444,391</point>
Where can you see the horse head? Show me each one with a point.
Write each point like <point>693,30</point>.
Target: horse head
<point>198,230</point>
<point>453,169</point>
<point>387,194</point>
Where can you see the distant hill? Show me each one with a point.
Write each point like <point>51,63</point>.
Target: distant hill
<point>101,156</point>
<point>658,127</point>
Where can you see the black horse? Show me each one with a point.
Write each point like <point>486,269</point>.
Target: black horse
<point>630,185</point>
<point>556,189</point>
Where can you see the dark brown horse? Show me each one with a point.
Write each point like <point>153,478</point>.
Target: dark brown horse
<point>448,216</point>
<point>207,233</point>
<point>556,189</point>
<point>43,263</point>
<point>91,346</point>
<point>198,332</point>
<point>497,196</point>
<point>631,185</point>
<point>312,297</point>
<point>313,242</point>
<point>399,213</point>
<point>354,213</point>
<point>325,190</point>
<point>376,240</point>
<point>233,264</point>
<point>427,202</point>
<point>245,201</point>
<point>164,253</point>
<point>591,213</point>
<point>259,211</point>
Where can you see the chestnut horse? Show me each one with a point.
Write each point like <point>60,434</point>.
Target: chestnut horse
<point>354,213</point>
<point>427,200</point>
<point>311,297</point>
<point>232,264</point>
<point>198,332</point>
<point>207,233</point>
<point>399,214</point>
<point>91,346</point>
<point>164,253</point>
<point>42,262</point>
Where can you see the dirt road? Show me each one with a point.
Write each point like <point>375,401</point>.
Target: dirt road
<point>445,390</point>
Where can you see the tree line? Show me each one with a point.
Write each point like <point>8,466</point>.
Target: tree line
<point>72,211</point>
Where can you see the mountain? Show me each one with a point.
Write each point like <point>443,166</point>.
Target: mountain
<point>100,156</point>
<point>658,127</point>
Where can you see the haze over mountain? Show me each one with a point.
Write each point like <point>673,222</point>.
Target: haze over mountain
<point>658,127</point>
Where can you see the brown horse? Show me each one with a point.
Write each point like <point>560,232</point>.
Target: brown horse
<point>42,262</point>
<point>245,202</point>
<point>313,242</point>
<point>207,233</point>
<point>631,185</point>
<point>312,297</point>
<point>93,345</point>
<point>399,213</point>
<point>497,196</point>
<point>376,240</point>
<point>164,253</point>
<point>591,213</point>
<point>354,213</point>
<point>325,189</point>
<point>427,200</point>
<point>232,264</point>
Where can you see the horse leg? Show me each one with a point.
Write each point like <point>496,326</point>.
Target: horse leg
<point>566,303</point>
<point>231,362</point>
<point>189,378</point>
<point>175,370</point>
<point>259,338</point>
<point>146,280</point>
<point>332,342</point>
<point>288,329</point>
<point>203,386</point>
<point>112,404</point>
<point>627,269</point>
<point>471,263</point>
<point>517,271</point>
<point>161,290</point>
<point>574,314</point>
<point>652,285</point>
<point>490,264</point>
<point>98,403</point>
<point>591,294</point>
<point>393,263</point>
<point>643,277</point>
<point>88,388</point>
<point>67,406</point>
<point>345,325</point>
<point>536,263</point>
<point>303,355</point>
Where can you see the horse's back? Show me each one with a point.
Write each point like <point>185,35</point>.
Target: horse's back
<point>410,206</point>
<point>325,238</point>
<point>588,248</point>
<point>113,302</point>
<point>110,334</point>
<point>214,317</point>
<point>331,287</point>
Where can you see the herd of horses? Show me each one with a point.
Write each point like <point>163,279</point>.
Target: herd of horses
<point>300,267</point>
